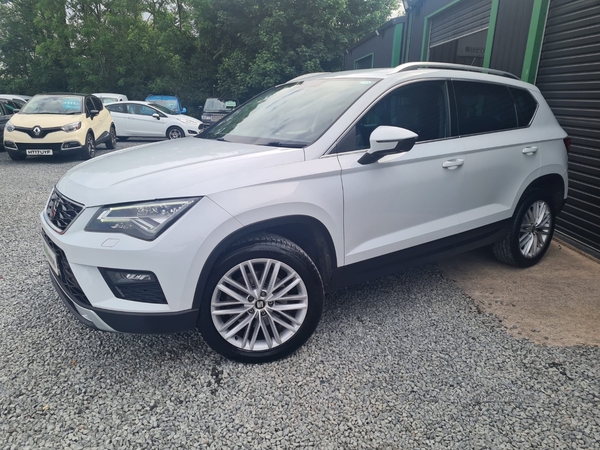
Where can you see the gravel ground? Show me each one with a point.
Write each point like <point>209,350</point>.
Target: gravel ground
<point>403,362</point>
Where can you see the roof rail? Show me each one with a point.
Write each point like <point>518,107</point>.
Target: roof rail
<point>447,66</point>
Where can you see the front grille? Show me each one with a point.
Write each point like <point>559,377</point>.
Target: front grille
<point>42,132</point>
<point>66,278</point>
<point>61,211</point>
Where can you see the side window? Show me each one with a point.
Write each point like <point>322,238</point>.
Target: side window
<point>526,105</point>
<point>484,107</point>
<point>147,111</point>
<point>89,105</point>
<point>97,103</point>
<point>419,107</point>
<point>2,111</point>
<point>117,107</point>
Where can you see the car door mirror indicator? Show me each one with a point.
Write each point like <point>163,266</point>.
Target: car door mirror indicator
<point>386,140</point>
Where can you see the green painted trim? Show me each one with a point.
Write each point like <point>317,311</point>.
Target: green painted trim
<point>489,44</point>
<point>372,55</point>
<point>406,56</point>
<point>533,51</point>
<point>427,28</point>
<point>397,47</point>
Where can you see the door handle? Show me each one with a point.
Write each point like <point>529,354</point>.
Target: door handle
<point>453,164</point>
<point>529,150</point>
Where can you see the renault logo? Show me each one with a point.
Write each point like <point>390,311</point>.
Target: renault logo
<point>37,131</point>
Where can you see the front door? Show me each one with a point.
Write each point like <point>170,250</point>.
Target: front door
<point>406,199</point>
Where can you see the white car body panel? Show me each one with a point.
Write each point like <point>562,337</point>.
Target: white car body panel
<point>141,125</point>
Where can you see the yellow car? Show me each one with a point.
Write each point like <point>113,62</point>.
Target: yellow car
<point>51,124</point>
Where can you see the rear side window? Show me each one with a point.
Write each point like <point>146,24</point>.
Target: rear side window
<point>117,107</point>
<point>526,105</point>
<point>484,108</point>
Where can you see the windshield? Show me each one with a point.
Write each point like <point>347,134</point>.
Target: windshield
<point>219,105</point>
<point>170,105</point>
<point>294,114</point>
<point>54,104</point>
<point>107,100</point>
<point>161,108</point>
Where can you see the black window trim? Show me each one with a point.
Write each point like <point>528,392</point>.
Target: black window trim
<point>507,86</point>
<point>331,150</point>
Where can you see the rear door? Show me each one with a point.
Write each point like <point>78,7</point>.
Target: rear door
<point>118,112</point>
<point>501,153</point>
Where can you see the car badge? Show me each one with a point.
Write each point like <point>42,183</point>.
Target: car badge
<point>37,131</point>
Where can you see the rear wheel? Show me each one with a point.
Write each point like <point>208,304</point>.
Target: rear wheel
<point>175,133</point>
<point>89,150</point>
<point>531,232</point>
<point>262,301</point>
<point>111,144</point>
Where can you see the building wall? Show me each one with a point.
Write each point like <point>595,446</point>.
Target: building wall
<point>510,38</point>
<point>381,46</point>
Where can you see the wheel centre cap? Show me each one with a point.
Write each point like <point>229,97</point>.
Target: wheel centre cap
<point>260,304</point>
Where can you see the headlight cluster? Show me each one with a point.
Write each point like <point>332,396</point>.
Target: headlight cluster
<point>141,220</point>
<point>9,127</point>
<point>71,127</point>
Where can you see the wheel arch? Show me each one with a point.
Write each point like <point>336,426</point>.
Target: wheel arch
<point>307,232</point>
<point>552,183</point>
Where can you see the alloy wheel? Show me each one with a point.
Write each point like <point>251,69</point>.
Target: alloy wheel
<point>535,229</point>
<point>259,304</point>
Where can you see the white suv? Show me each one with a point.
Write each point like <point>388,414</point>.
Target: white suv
<point>327,180</point>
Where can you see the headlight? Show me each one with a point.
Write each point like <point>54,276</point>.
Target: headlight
<point>141,220</point>
<point>71,127</point>
<point>9,127</point>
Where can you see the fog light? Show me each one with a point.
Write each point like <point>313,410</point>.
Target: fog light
<point>192,132</point>
<point>137,286</point>
<point>70,144</point>
<point>10,144</point>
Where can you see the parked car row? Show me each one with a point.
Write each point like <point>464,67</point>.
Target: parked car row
<point>50,124</point>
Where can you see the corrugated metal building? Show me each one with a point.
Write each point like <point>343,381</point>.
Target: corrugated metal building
<point>553,43</point>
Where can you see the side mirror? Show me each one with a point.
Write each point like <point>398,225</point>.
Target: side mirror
<point>200,108</point>
<point>386,140</point>
<point>156,116</point>
<point>183,110</point>
<point>94,113</point>
<point>16,111</point>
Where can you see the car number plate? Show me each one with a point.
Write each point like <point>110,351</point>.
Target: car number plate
<point>31,152</point>
<point>51,257</point>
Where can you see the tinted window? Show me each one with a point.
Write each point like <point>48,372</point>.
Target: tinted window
<point>117,107</point>
<point>2,111</point>
<point>419,107</point>
<point>526,105</point>
<point>89,105</point>
<point>97,103</point>
<point>484,107</point>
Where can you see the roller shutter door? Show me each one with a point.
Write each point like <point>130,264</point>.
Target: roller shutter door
<point>466,17</point>
<point>569,78</point>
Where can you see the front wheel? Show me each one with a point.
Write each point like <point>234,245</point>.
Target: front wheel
<point>262,301</point>
<point>530,234</point>
<point>89,150</point>
<point>175,133</point>
<point>111,144</point>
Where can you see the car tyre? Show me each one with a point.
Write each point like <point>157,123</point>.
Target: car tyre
<point>175,133</point>
<point>16,156</point>
<point>89,151</point>
<point>272,313</point>
<point>111,144</point>
<point>530,232</point>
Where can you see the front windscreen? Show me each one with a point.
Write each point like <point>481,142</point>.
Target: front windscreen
<point>54,104</point>
<point>219,105</point>
<point>107,100</point>
<point>293,114</point>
